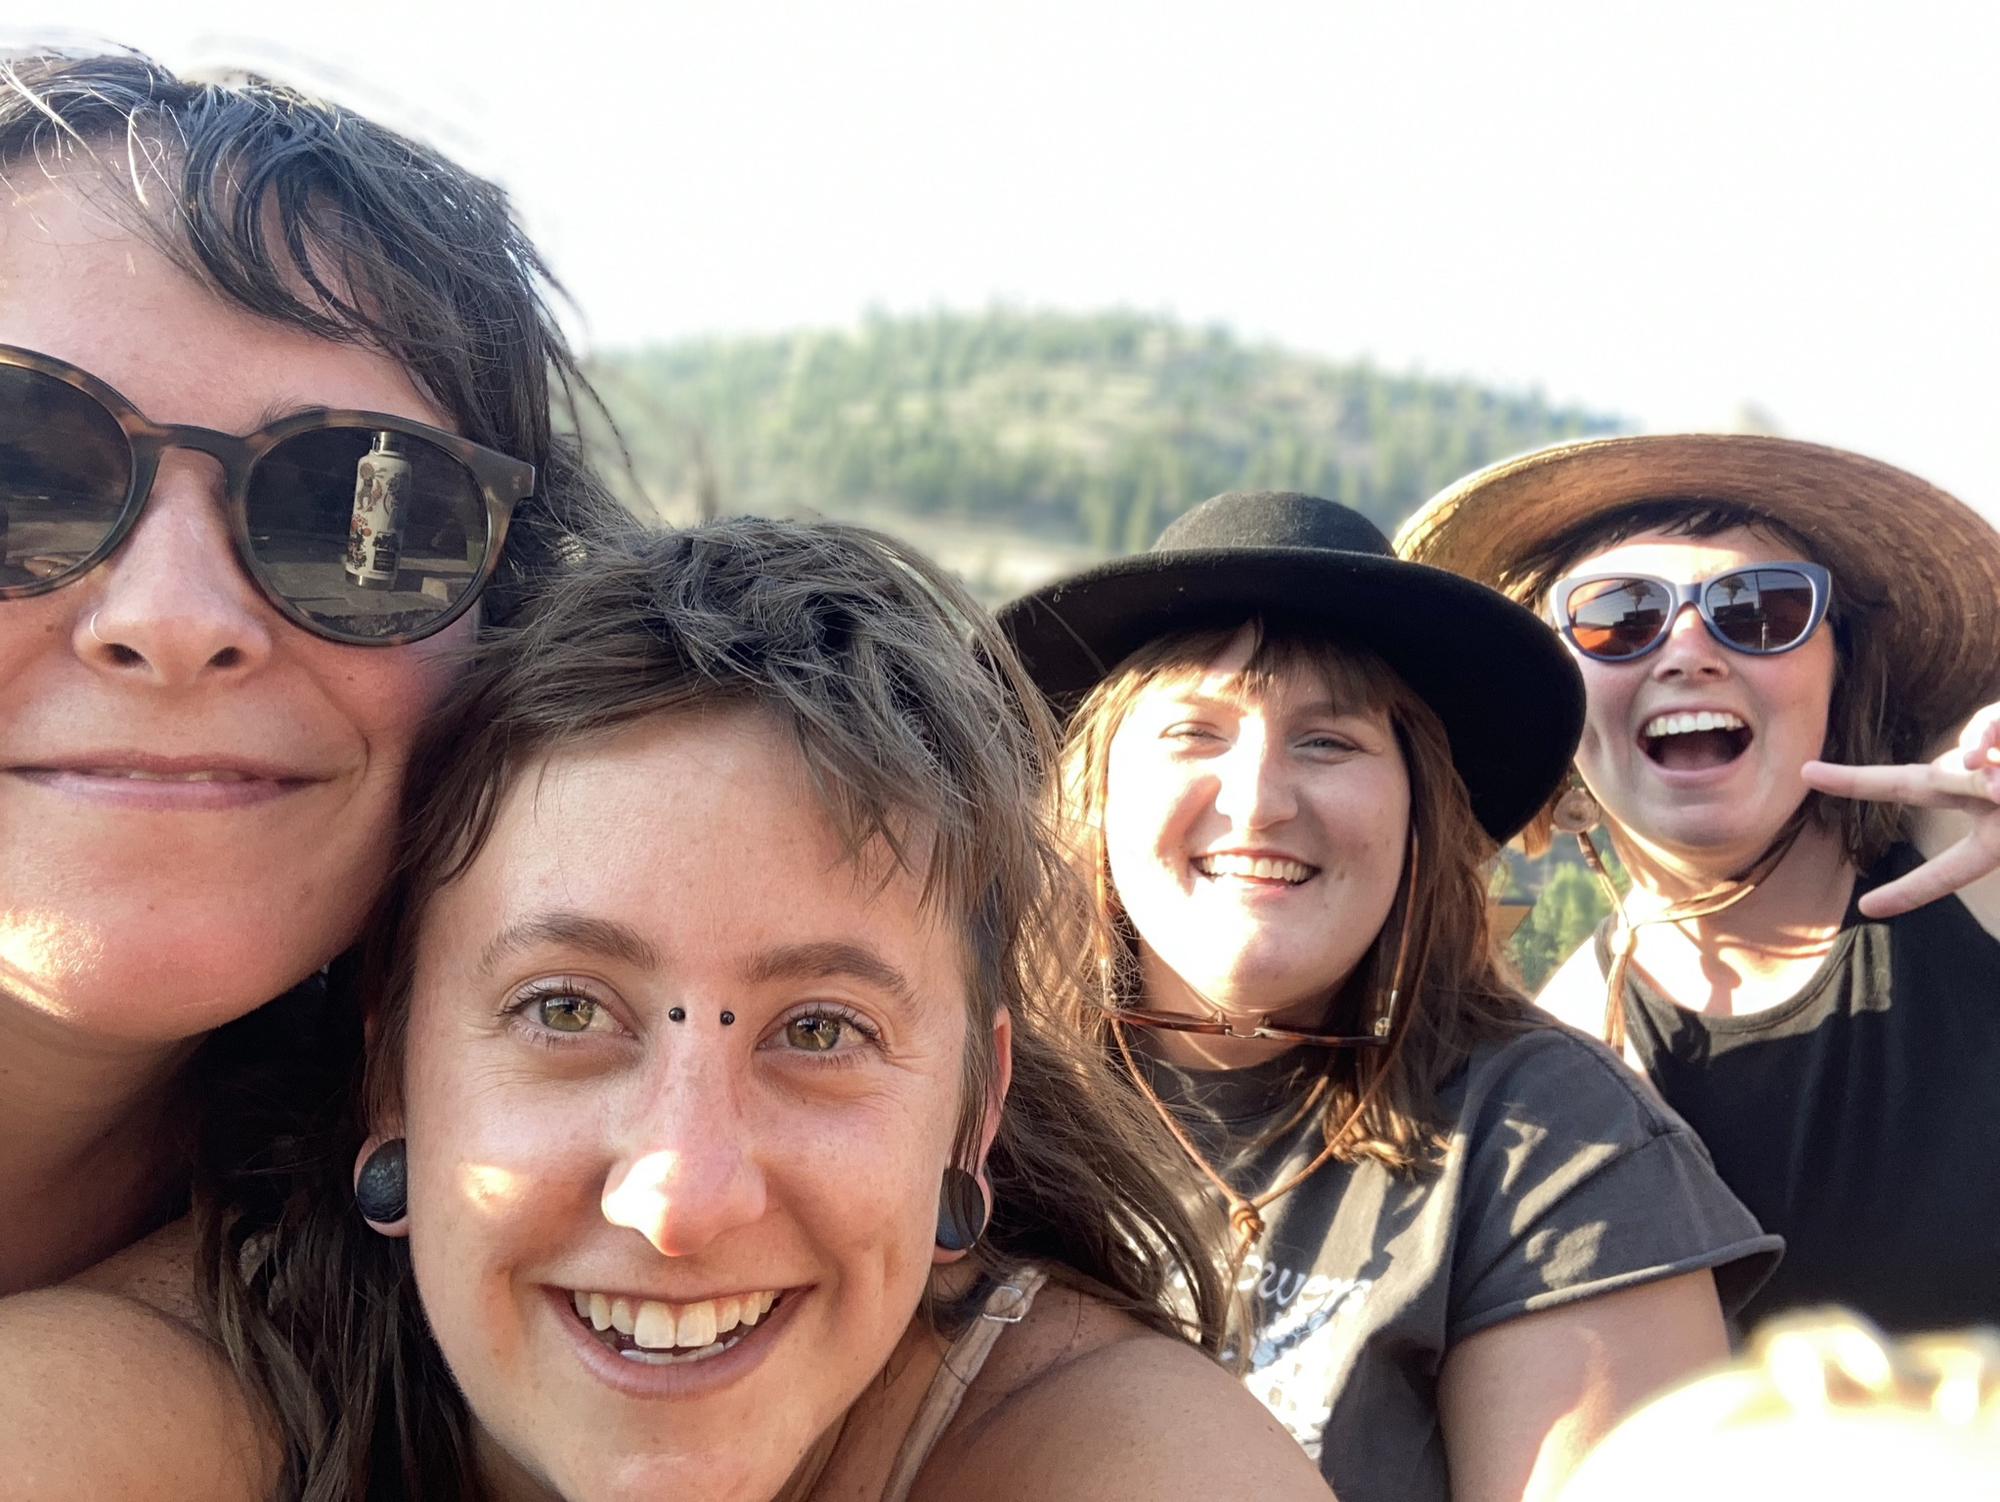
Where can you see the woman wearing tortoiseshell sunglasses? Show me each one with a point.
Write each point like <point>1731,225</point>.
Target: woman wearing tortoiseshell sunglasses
<point>221,307</point>
<point>1771,632</point>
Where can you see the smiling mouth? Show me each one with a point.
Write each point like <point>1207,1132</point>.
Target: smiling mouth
<point>1695,742</point>
<point>653,1333</point>
<point>1275,870</point>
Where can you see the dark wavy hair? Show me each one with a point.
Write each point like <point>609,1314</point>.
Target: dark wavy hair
<point>317,218</point>
<point>923,737</point>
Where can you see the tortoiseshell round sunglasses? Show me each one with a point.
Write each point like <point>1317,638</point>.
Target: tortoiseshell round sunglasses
<point>360,527</point>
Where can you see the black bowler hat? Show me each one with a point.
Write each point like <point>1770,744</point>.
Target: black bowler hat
<point>1499,678</point>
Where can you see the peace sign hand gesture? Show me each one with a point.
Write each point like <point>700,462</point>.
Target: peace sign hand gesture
<point>1961,789</point>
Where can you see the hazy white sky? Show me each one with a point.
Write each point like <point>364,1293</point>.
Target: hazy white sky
<point>1663,210</point>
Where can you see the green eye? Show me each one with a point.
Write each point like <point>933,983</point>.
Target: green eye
<point>814,1034</point>
<point>566,1014</point>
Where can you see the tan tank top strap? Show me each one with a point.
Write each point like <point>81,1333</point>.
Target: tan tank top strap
<point>1008,1304</point>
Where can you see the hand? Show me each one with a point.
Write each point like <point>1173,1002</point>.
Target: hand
<point>1965,780</point>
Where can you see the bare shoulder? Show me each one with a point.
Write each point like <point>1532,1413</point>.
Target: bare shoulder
<point>109,1397</point>
<point>1575,993</point>
<point>1081,1401</point>
<point>157,1272</point>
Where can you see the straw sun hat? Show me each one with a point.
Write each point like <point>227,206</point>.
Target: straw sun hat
<point>1909,562</point>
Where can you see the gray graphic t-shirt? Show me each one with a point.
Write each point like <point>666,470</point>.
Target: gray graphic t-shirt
<point>1565,1178</point>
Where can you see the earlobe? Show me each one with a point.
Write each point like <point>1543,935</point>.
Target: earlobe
<point>962,1214</point>
<point>965,1198</point>
<point>381,1185</point>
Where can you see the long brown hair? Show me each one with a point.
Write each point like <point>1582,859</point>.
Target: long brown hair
<point>1381,1102</point>
<point>914,719</point>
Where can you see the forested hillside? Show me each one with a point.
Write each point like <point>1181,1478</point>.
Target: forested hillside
<point>1086,432</point>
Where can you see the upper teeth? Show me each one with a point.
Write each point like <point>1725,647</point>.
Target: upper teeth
<point>1262,868</point>
<point>138,776</point>
<point>665,1327</point>
<point>1687,724</point>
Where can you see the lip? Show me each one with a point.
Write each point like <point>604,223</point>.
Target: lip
<point>95,777</point>
<point>1689,779</point>
<point>1252,888</point>
<point>696,1379</point>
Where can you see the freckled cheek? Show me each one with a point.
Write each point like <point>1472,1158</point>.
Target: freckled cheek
<point>865,1185</point>
<point>385,695</point>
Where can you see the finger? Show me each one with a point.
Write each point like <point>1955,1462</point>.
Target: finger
<point>1960,866</point>
<point>1921,784</point>
<point>1980,740</point>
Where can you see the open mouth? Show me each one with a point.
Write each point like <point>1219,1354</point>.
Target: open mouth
<point>658,1334</point>
<point>1695,742</point>
<point>1277,871</point>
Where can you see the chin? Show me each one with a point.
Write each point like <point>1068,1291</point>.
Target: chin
<point>154,1000</point>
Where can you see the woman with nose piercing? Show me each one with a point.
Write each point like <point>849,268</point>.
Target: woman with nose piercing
<point>1759,624</point>
<point>229,315</point>
<point>719,1137</point>
<point>1466,1239</point>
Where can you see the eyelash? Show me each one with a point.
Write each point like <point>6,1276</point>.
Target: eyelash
<point>1199,732</point>
<point>562,988</point>
<point>543,1036</point>
<point>831,1012</point>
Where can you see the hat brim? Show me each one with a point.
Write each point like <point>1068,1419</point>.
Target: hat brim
<point>1509,697</point>
<point>1909,561</point>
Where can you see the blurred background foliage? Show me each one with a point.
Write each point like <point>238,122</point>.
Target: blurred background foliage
<point>1014,446</point>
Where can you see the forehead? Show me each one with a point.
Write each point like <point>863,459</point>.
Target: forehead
<point>1272,676</point>
<point>79,284</point>
<point>1682,558</point>
<point>703,832</point>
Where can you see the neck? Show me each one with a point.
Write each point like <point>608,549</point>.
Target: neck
<point>1163,990</point>
<point>1788,919</point>
<point>88,1156</point>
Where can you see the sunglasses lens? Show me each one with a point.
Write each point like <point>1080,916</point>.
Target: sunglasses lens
<point>1761,609</point>
<point>65,470</point>
<point>1613,619</point>
<point>369,533</point>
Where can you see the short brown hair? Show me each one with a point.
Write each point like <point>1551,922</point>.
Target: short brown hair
<point>1383,1101</point>
<point>320,219</point>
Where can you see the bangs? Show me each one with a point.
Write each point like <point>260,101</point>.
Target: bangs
<point>1356,681</point>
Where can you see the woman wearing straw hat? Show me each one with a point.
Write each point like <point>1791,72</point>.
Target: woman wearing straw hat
<point>1467,1241</point>
<point>1751,616</point>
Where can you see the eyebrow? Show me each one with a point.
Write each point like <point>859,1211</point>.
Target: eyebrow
<point>1231,699</point>
<point>571,930</point>
<point>831,957</point>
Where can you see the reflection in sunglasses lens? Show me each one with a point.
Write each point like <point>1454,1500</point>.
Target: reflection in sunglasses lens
<point>65,469</point>
<point>369,532</point>
<point>1762,609</point>
<point>1614,618</point>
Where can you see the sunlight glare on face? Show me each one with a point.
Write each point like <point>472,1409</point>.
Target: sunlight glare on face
<point>1255,837</point>
<point>40,953</point>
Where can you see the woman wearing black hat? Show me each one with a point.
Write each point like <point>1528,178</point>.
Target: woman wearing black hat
<point>1467,1241</point>
<point>1739,607</point>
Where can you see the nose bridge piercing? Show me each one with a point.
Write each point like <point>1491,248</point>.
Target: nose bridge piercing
<point>679,1014</point>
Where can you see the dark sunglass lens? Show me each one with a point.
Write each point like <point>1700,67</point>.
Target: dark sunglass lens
<point>370,533</point>
<point>1617,618</point>
<point>65,469</point>
<point>1761,609</point>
